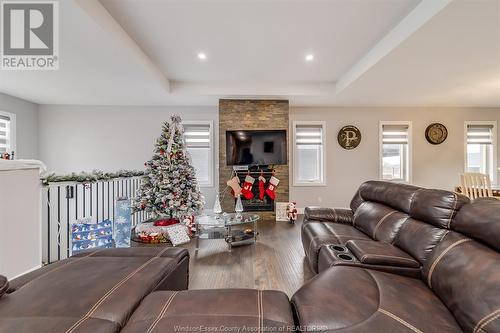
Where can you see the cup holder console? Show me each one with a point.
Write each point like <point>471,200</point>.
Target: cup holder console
<point>338,248</point>
<point>346,257</point>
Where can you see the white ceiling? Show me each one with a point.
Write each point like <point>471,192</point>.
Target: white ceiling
<point>377,52</point>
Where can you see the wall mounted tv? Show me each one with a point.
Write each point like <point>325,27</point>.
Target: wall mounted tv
<point>262,147</point>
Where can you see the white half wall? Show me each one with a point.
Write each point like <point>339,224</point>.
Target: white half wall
<point>434,166</point>
<point>109,138</point>
<point>26,125</point>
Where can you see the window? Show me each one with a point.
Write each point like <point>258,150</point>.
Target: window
<point>7,132</point>
<point>395,151</point>
<point>199,144</point>
<point>309,147</point>
<point>480,148</point>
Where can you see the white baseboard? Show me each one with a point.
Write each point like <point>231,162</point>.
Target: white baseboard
<point>26,272</point>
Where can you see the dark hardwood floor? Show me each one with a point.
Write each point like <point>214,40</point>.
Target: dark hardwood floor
<point>276,261</point>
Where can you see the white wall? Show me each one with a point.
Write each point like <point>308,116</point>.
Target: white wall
<point>433,166</point>
<point>109,138</point>
<point>26,125</point>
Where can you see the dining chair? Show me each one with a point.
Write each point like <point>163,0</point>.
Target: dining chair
<point>475,185</point>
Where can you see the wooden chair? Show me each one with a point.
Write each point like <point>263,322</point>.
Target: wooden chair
<point>476,185</point>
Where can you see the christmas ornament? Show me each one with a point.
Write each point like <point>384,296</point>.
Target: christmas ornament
<point>238,208</point>
<point>217,206</point>
<point>234,184</point>
<point>271,188</point>
<point>291,212</point>
<point>247,187</point>
<point>262,182</point>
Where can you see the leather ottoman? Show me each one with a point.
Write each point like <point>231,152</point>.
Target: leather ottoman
<point>214,310</point>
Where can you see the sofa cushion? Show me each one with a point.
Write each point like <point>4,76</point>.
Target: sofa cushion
<point>380,253</point>
<point>317,234</point>
<point>418,239</point>
<point>466,276</point>
<point>436,207</point>
<point>84,292</point>
<point>379,221</point>
<point>4,285</point>
<point>215,310</point>
<point>481,221</point>
<point>395,195</point>
<point>361,300</point>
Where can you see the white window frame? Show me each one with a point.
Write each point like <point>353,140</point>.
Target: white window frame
<point>210,123</point>
<point>323,181</point>
<point>12,117</point>
<point>410,149</point>
<point>494,140</point>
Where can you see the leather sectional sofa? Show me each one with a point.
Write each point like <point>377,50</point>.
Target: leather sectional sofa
<point>402,259</point>
<point>95,291</point>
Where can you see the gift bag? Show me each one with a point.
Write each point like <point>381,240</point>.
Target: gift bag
<point>123,223</point>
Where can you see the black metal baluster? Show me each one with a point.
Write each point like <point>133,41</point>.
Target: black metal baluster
<point>102,200</point>
<point>91,199</point>
<point>67,220</point>
<point>76,201</point>
<point>108,200</point>
<point>97,202</point>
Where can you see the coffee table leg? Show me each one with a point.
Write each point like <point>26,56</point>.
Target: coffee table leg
<point>255,230</point>
<point>229,245</point>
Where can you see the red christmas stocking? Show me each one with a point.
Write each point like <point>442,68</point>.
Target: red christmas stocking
<point>234,184</point>
<point>262,182</point>
<point>271,189</point>
<point>247,187</point>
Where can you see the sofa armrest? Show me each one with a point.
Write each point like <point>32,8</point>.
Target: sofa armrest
<point>4,285</point>
<point>380,253</point>
<point>337,215</point>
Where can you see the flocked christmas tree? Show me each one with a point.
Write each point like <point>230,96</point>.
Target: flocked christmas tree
<point>169,188</point>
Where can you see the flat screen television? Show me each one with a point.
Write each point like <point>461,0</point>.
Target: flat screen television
<point>262,147</point>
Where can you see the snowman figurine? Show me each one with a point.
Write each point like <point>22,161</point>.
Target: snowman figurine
<point>291,211</point>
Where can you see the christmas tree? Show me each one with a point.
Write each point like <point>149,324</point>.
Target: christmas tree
<point>169,188</point>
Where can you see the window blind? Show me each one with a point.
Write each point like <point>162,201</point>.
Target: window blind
<point>395,134</point>
<point>197,136</point>
<point>480,134</point>
<point>309,135</point>
<point>5,144</point>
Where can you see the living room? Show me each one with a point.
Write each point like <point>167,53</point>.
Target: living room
<point>303,165</point>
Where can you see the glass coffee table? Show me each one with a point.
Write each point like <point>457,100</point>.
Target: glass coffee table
<point>229,227</point>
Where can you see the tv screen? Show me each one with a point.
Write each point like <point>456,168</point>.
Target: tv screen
<point>256,147</point>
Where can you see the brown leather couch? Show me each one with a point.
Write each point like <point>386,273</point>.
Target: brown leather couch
<point>385,221</point>
<point>458,289</point>
<point>95,291</point>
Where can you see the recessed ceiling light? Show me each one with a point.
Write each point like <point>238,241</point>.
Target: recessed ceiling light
<point>202,56</point>
<point>310,57</point>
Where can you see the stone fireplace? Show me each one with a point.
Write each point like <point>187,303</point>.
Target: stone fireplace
<point>237,114</point>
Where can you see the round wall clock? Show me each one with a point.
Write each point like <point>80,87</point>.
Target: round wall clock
<point>436,133</point>
<point>349,137</point>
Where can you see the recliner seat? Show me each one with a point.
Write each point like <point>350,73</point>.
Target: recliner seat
<point>386,212</point>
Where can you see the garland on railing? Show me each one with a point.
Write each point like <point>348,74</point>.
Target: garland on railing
<point>88,177</point>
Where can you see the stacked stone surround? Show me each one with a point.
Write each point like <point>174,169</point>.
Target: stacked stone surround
<point>236,114</point>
